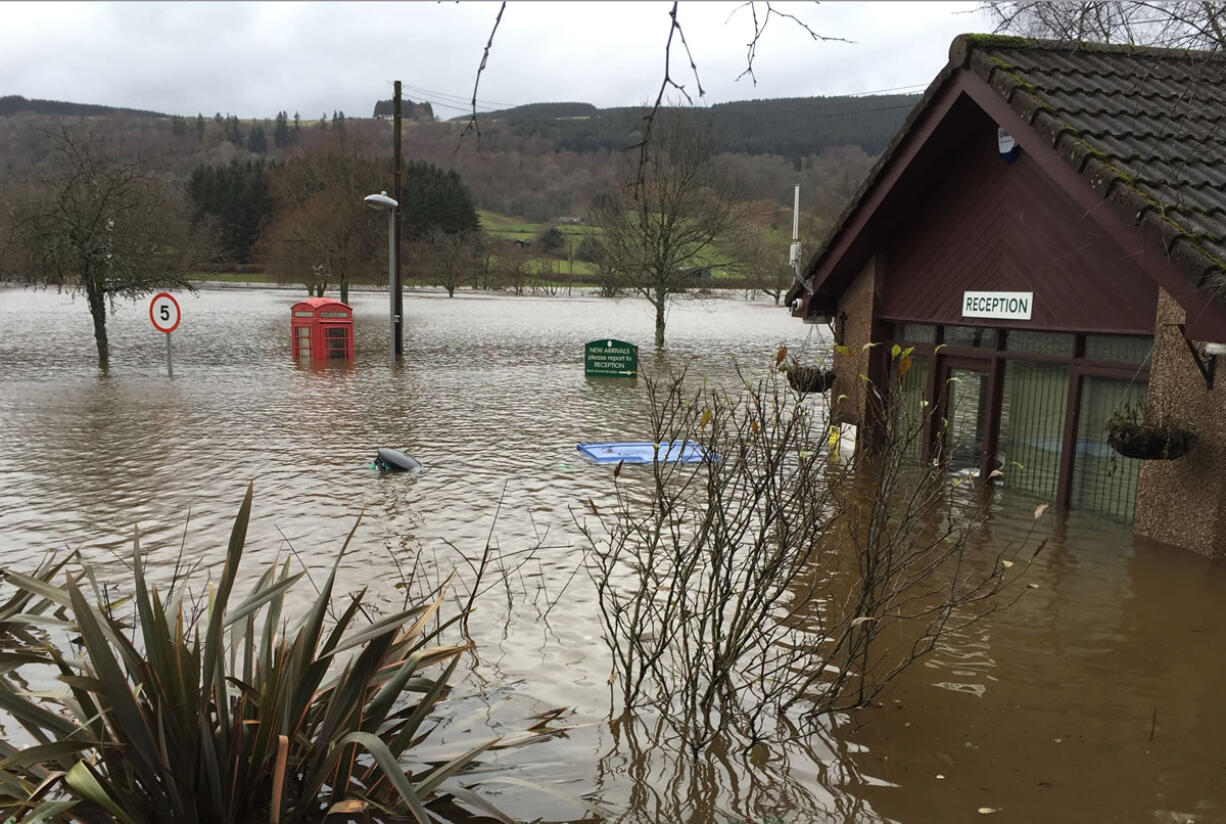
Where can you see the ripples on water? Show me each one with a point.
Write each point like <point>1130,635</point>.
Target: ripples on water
<point>1044,713</point>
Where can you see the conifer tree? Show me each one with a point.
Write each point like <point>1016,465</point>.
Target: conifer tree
<point>256,141</point>
<point>280,133</point>
<point>236,198</point>
<point>199,126</point>
<point>436,200</point>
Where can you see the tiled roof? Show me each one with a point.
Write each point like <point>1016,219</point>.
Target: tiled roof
<point>1146,127</point>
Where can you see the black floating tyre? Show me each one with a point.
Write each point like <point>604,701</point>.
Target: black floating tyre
<point>389,460</point>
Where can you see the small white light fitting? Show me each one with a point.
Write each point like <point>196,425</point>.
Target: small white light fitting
<point>1215,348</point>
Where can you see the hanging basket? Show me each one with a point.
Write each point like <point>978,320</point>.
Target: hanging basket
<point>1149,442</point>
<point>810,378</point>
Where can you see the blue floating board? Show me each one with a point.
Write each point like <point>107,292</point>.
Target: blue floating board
<point>643,452</point>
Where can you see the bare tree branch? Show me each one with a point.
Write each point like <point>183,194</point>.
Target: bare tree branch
<point>472,124</point>
<point>759,28</point>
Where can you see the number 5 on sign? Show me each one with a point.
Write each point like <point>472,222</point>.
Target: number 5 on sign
<point>164,312</point>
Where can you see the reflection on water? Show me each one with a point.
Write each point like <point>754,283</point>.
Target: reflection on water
<point>1092,699</point>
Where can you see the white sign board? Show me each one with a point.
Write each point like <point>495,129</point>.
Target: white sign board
<point>1003,305</point>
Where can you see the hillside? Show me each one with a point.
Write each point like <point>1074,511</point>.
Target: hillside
<point>15,104</point>
<point>537,162</point>
<point>789,127</point>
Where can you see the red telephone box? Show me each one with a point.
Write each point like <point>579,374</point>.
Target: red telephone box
<point>322,329</point>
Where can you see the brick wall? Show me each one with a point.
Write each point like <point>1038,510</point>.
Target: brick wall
<point>1183,502</point>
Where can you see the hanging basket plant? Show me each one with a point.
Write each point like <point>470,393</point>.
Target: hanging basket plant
<point>809,378</point>
<point>1132,436</point>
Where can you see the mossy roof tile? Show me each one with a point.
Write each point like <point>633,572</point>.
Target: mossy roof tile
<point>1145,127</point>
<point>1154,118</point>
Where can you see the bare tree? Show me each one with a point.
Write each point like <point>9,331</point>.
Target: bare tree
<point>323,233</point>
<point>777,581</point>
<point>759,12</point>
<point>1182,24</point>
<point>447,259</point>
<point>514,266</point>
<point>101,225</point>
<point>764,261</point>
<point>673,215</point>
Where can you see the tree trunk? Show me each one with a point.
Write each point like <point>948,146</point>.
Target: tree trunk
<point>661,298</point>
<point>344,290</point>
<point>97,308</point>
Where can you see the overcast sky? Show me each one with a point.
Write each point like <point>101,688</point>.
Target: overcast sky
<point>254,59</point>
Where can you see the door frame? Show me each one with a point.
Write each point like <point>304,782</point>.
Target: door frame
<point>991,365</point>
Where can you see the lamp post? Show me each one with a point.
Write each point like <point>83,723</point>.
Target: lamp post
<point>382,201</point>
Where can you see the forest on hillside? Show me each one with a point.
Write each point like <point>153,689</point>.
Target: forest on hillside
<point>790,127</point>
<point>539,164</point>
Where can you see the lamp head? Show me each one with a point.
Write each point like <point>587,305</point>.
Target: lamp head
<point>380,201</point>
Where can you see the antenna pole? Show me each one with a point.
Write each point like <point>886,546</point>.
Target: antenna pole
<point>794,252</point>
<point>796,214</point>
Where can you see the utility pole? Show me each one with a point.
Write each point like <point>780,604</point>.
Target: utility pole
<point>398,189</point>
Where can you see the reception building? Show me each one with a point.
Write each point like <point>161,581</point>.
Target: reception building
<point>1048,231</point>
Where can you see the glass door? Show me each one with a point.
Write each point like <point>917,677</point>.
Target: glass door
<point>966,412</point>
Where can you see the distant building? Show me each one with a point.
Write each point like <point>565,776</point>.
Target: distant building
<point>1048,230</point>
<point>569,220</point>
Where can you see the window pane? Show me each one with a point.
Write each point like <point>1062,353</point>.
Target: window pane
<point>978,336</point>
<point>1042,343</point>
<point>915,332</point>
<point>1102,480</point>
<point>911,390</point>
<point>1032,426</point>
<point>1122,348</point>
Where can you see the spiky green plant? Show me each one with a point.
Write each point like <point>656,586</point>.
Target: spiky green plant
<point>230,715</point>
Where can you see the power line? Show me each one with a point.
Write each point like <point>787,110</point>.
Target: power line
<point>882,91</point>
<point>462,103</point>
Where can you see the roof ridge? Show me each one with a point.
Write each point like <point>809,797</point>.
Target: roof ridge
<point>963,44</point>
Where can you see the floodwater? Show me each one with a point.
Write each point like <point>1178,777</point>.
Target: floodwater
<point>1096,697</point>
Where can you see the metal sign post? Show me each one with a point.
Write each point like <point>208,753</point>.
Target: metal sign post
<point>164,312</point>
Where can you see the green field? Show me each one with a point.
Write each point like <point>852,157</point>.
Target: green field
<point>507,227</point>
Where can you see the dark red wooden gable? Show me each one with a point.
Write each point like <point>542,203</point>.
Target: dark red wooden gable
<point>993,226</point>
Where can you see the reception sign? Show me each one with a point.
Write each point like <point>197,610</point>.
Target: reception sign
<point>1003,305</point>
<point>610,359</point>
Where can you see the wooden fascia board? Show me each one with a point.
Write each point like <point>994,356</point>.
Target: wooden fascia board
<point>854,227</point>
<point>1204,315</point>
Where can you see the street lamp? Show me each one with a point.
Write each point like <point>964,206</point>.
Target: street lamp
<point>382,201</point>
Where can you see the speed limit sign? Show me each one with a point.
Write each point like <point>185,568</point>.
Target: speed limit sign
<point>164,312</point>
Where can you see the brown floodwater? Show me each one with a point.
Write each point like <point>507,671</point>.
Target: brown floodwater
<point>1093,698</point>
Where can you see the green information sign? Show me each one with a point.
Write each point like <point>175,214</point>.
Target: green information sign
<point>610,359</point>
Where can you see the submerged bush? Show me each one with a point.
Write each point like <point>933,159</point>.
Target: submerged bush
<point>777,581</point>
<point>177,711</point>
